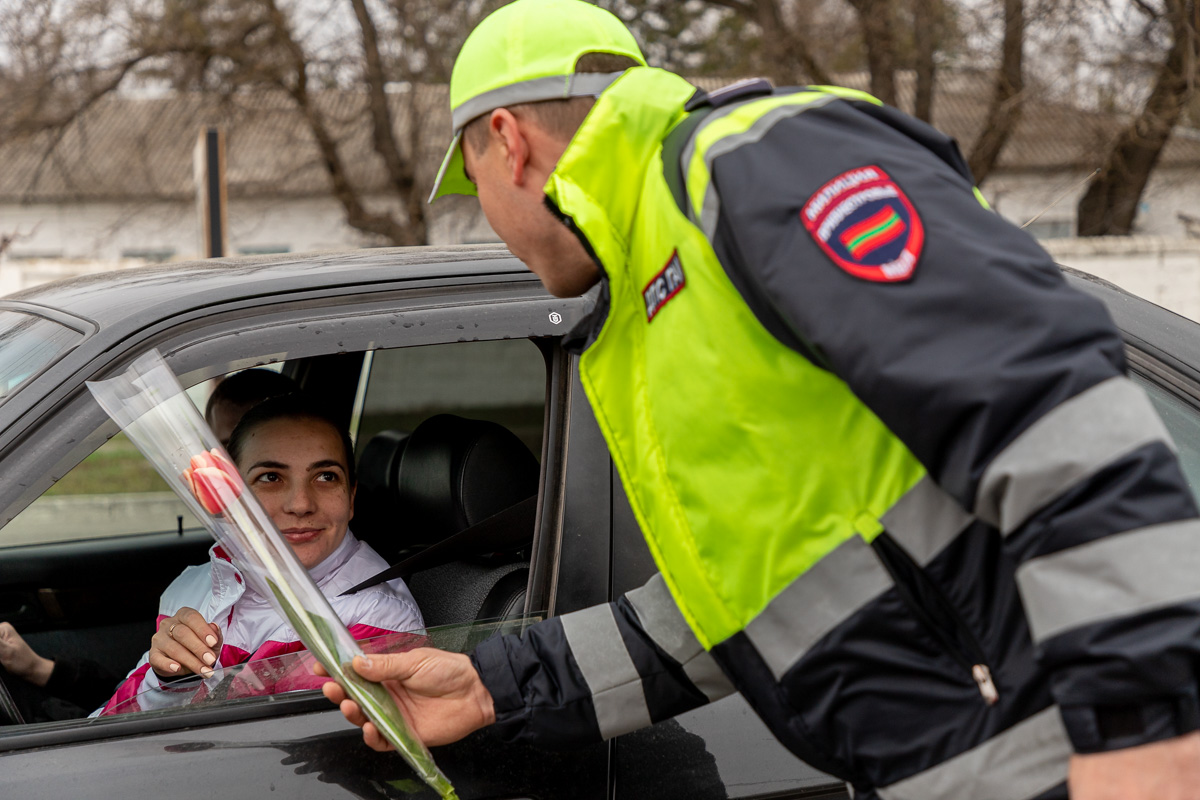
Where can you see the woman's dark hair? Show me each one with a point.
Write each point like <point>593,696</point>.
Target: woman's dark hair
<point>247,388</point>
<point>296,405</point>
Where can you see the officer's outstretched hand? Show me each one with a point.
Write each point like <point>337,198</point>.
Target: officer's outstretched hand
<point>440,693</point>
<point>1167,770</point>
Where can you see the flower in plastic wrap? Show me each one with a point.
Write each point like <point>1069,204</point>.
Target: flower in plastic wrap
<point>213,480</point>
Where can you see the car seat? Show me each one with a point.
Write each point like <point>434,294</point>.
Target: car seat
<point>448,475</point>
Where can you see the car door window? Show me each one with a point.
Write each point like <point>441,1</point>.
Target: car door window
<point>1183,423</point>
<point>112,492</point>
<point>499,381</point>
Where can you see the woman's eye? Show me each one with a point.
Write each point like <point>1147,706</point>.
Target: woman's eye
<point>328,476</point>
<point>267,477</point>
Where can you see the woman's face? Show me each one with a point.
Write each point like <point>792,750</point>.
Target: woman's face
<point>297,470</point>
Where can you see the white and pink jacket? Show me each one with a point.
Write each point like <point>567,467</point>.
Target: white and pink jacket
<point>251,629</point>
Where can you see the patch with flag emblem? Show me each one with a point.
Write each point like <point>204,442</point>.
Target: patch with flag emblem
<point>866,224</point>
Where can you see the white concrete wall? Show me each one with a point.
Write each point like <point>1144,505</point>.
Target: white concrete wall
<point>1164,271</point>
<point>1055,194</point>
<point>108,231</point>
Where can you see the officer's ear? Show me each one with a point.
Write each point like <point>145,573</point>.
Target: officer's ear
<point>507,135</point>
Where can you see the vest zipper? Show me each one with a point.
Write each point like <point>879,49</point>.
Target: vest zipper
<point>932,610</point>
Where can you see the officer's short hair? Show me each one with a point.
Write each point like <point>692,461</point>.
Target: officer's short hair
<point>559,118</point>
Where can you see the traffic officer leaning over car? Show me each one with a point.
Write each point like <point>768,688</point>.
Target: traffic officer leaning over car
<point>901,494</point>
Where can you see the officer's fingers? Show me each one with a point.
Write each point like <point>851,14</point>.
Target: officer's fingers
<point>353,713</point>
<point>333,692</point>
<point>318,669</point>
<point>374,738</point>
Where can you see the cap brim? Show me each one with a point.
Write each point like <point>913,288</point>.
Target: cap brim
<point>452,177</point>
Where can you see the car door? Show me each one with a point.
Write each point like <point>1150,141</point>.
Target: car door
<point>297,744</point>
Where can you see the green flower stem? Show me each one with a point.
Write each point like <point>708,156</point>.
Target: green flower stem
<point>321,640</point>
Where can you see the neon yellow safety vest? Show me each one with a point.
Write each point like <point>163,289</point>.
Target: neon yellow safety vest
<point>744,462</point>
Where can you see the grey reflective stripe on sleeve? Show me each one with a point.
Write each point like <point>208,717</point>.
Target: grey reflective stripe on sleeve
<point>817,602</point>
<point>555,87</point>
<point>1022,762</point>
<point>616,687</point>
<point>710,210</point>
<point>925,520</point>
<point>1071,442</point>
<point>665,625</point>
<point>1116,576</point>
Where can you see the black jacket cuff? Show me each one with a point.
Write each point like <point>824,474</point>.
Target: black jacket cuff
<point>1098,729</point>
<point>490,660</point>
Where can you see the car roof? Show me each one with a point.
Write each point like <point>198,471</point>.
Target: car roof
<point>158,291</point>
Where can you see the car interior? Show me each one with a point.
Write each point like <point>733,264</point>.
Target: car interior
<point>448,442</point>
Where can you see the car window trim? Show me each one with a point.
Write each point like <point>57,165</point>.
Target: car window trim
<point>187,346</point>
<point>93,730</point>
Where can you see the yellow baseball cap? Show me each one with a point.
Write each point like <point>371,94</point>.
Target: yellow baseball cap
<point>522,53</point>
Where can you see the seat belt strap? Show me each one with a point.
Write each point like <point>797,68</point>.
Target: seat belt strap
<point>504,530</point>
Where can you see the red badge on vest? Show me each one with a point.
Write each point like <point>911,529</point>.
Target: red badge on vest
<point>663,286</point>
<point>866,224</point>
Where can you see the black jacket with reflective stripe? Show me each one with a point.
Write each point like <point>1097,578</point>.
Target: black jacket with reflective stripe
<point>1056,543</point>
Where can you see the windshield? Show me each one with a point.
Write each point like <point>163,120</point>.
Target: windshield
<point>294,672</point>
<point>28,344</point>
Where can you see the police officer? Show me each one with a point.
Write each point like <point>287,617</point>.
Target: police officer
<point>929,528</point>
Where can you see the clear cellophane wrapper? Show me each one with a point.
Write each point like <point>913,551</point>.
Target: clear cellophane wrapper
<point>152,409</point>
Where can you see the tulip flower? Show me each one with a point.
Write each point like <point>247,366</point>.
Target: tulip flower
<point>213,480</point>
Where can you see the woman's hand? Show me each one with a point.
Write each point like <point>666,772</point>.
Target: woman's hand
<point>20,659</point>
<point>186,643</point>
<point>440,694</point>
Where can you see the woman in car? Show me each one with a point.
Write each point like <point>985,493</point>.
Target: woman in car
<point>300,465</point>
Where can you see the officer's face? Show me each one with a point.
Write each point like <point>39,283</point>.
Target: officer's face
<point>509,175</point>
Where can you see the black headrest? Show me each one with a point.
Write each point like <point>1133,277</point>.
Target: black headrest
<point>375,512</point>
<point>455,472</point>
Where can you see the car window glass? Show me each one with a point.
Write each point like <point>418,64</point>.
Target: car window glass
<point>294,672</point>
<point>1183,423</point>
<point>500,381</point>
<point>27,344</point>
<point>113,492</point>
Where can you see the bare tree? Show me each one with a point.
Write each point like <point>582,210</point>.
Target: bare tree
<point>66,56</point>
<point>877,24</point>
<point>1004,110</point>
<point>1109,205</point>
<point>927,18</point>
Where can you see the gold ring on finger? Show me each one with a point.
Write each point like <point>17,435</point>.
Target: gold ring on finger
<point>171,630</point>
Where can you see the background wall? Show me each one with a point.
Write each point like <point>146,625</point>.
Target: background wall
<point>1164,271</point>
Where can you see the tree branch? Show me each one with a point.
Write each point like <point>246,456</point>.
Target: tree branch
<point>1109,206</point>
<point>401,174</point>
<point>1007,104</point>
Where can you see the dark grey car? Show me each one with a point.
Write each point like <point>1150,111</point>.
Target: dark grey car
<point>397,340</point>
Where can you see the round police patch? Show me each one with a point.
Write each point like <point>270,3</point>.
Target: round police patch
<point>866,224</point>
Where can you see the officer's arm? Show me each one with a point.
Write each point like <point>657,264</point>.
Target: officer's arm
<point>598,673</point>
<point>1007,384</point>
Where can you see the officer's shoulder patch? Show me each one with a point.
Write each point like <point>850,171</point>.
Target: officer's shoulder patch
<point>866,224</point>
<point>663,286</point>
